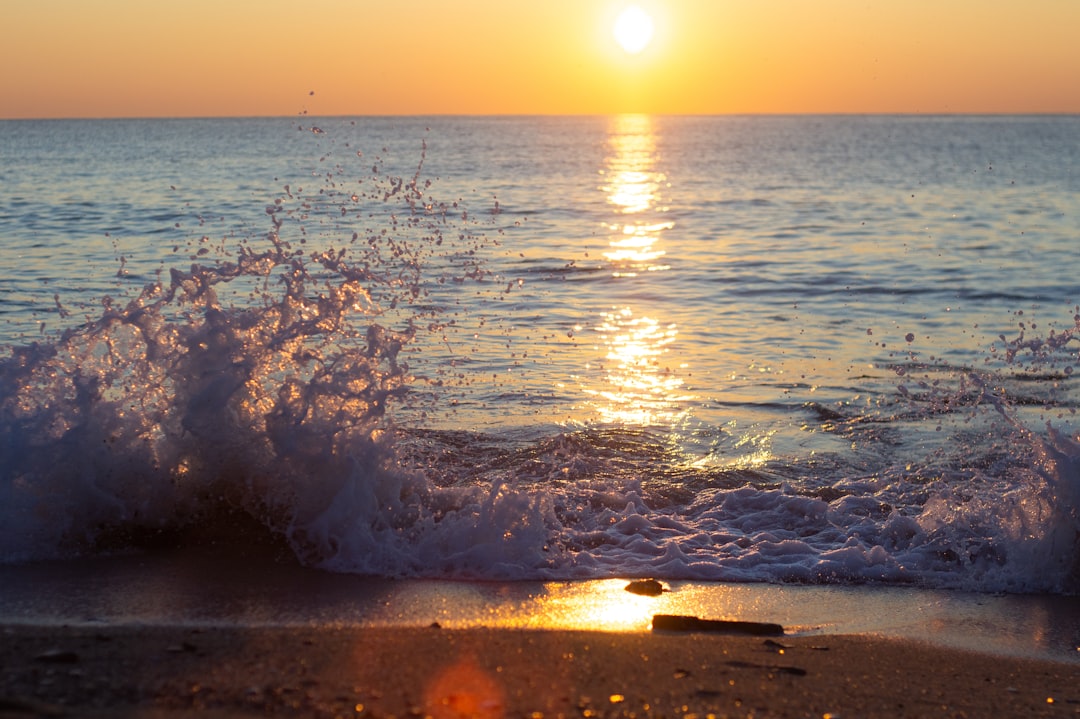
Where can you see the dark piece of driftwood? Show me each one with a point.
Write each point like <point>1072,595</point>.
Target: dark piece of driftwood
<point>681,623</point>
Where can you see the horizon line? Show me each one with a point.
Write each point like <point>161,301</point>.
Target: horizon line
<point>510,115</point>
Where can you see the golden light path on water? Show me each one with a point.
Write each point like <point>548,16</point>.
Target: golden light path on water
<point>633,185</point>
<point>641,386</point>
<point>639,389</point>
<point>644,368</point>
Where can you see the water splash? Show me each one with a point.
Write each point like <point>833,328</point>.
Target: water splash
<point>256,381</point>
<point>1010,511</point>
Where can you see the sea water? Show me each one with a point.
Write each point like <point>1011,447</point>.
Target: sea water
<point>782,349</point>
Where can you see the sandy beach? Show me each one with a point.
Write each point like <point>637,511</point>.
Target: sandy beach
<point>443,673</point>
<point>235,635</point>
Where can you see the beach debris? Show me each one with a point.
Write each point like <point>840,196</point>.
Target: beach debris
<point>57,656</point>
<point>775,646</point>
<point>684,623</point>
<point>797,671</point>
<point>645,587</point>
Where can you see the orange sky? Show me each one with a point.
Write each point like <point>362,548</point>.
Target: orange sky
<point>133,58</point>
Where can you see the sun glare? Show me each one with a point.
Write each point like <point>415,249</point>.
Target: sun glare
<point>633,29</point>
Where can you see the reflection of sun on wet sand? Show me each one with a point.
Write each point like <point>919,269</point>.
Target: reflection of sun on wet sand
<point>252,636</point>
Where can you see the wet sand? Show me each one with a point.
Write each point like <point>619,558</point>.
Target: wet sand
<point>201,589</point>
<point>179,633</point>
<point>443,673</point>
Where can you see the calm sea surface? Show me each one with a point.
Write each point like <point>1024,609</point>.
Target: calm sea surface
<point>798,349</point>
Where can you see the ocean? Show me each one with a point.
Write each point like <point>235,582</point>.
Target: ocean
<point>798,350</point>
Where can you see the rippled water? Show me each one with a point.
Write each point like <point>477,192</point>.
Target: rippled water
<point>749,348</point>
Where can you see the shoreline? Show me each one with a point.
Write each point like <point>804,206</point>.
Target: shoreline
<point>178,633</point>
<point>200,589</point>
<point>161,671</point>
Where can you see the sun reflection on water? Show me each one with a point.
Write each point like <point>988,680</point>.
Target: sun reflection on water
<point>640,388</point>
<point>641,383</point>
<point>632,184</point>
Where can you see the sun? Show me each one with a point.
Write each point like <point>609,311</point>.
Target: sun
<point>633,29</point>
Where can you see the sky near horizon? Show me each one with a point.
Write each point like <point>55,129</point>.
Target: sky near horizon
<point>132,58</point>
